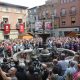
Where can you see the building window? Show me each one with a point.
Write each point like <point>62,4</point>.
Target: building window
<point>47,13</point>
<point>5,9</point>
<point>62,1</point>
<point>73,20</point>
<point>55,12</point>
<point>72,0</point>
<point>73,10</point>
<point>65,1</point>
<point>6,36</point>
<point>35,18</point>
<point>63,21</point>
<point>18,10</point>
<point>20,21</point>
<point>44,14</point>
<point>30,11</point>
<point>63,12</point>
<point>34,10</point>
<point>5,20</point>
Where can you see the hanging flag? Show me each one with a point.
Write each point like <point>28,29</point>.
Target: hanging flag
<point>21,28</point>
<point>38,25</point>
<point>48,25</point>
<point>6,28</point>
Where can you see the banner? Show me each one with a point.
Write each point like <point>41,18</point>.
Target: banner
<point>6,28</point>
<point>38,25</point>
<point>21,28</point>
<point>48,25</point>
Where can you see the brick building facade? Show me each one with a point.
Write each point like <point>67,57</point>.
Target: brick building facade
<point>68,16</point>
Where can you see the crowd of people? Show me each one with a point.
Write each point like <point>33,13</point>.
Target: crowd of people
<point>61,69</point>
<point>10,47</point>
<point>65,42</point>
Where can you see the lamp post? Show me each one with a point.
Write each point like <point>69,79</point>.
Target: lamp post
<point>43,27</point>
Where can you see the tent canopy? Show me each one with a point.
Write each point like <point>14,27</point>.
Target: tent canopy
<point>25,36</point>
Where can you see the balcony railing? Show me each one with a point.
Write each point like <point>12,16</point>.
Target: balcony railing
<point>72,13</point>
<point>45,17</point>
<point>18,25</point>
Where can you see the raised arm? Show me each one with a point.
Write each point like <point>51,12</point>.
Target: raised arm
<point>3,74</point>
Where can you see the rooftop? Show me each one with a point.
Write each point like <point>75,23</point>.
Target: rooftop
<point>12,5</point>
<point>33,8</point>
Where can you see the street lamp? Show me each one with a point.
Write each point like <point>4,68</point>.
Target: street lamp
<point>43,26</point>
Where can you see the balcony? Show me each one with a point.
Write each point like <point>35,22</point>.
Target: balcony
<point>2,25</point>
<point>45,17</point>
<point>72,13</point>
<point>18,25</point>
<point>42,17</point>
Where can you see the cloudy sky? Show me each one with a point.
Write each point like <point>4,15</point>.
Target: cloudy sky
<point>28,3</point>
